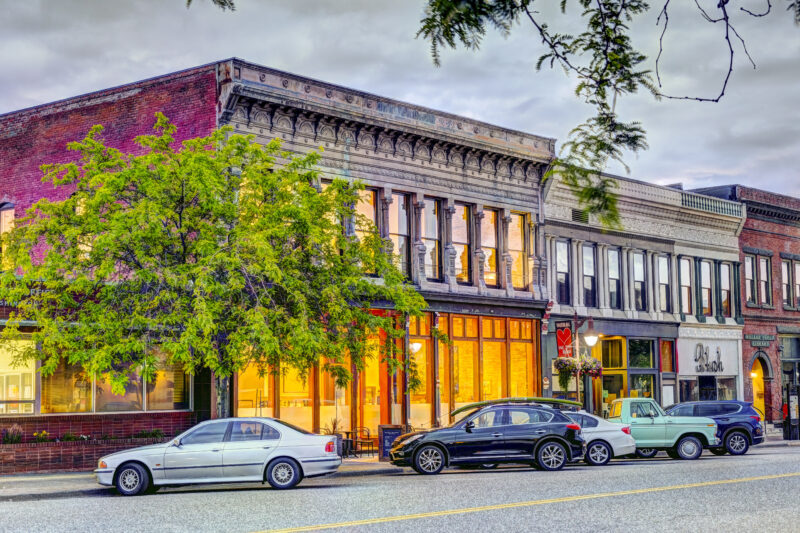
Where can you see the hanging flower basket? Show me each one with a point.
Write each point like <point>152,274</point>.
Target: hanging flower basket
<point>566,368</point>
<point>591,367</point>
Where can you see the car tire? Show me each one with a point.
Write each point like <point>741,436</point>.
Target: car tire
<point>646,453</point>
<point>489,466</point>
<point>429,460</point>
<point>132,479</point>
<point>673,454</point>
<point>551,456</point>
<point>737,443</point>
<point>689,448</point>
<point>283,473</point>
<point>598,453</point>
<point>718,451</point>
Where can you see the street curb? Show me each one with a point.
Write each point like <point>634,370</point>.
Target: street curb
<point>776,444</point>
<point>368,472</point>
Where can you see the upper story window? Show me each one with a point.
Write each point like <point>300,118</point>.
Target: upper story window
<point>367,207</point>
<point>562,273</point>
<point>686,285</point>
<point>749,279</point>
<point>462,242</point>
<point>589,276</point>
<point>489,247</point>
<point>725,288</point>
<point>517,250</point>
<point>639,282</point>
<point>786,282</point>
<point>432,238</point>
<point>705,288</point>
<point>765,280</point>
<point>399,231</point>
<point>6,220</point>
<point>797,283</point>
<point>664,294</point>
<point>614,280</point>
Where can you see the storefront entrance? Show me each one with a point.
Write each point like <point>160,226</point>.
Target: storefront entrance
<point>757,376</point>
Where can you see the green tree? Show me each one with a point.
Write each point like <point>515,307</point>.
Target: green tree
<point>217,251</point>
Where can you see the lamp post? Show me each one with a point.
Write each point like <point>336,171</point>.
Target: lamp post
<point>590,336</point>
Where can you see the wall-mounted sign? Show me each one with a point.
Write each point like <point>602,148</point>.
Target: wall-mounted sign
<point>564,338</point>
<point>706,362</point>
<point>758,340</point>
<point>545,383</point>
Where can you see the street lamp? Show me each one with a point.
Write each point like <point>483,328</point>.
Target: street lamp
<point>590,336</point>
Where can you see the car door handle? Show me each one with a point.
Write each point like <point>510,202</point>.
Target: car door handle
<point>267,447</point>
<point>540,431</point>
<point>218,449</point>
<point>497,434</point>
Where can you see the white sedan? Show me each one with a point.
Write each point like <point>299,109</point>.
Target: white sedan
<point>228,450</point>
<point>604,440</point>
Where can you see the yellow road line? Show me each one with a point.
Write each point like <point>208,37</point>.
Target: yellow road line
<point>529,503</point>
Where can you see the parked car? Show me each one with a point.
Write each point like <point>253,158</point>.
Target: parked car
<point>506,432</point>
<point>223,451</point>
<point>604,439</point>
<point>738,423</point>
<point>682,437</point>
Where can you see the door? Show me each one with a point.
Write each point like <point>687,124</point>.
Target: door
<point>199,454</point>
<point>481,442</point>
<point>525,427</point>
<point>708,388</point>
<point>247,449</point>
<point>649,432</point>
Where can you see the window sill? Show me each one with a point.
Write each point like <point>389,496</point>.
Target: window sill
<point>790,308</point>
<point>752,305</point>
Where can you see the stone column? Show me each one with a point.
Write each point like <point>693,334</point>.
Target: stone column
<point>449,256</point>
<point>627,277</point>
<point>478,257</point>
<point>716,287</point>
<point>675,288</point>
<point>602,276</point>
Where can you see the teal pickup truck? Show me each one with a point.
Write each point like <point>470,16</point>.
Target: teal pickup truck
<point>682,437</point>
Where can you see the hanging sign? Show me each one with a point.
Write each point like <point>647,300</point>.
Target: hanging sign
<point>564,338</point>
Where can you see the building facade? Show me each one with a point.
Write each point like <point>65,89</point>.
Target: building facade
<point>457,198</point>
<point>770,290</point>
<point>658,290</point>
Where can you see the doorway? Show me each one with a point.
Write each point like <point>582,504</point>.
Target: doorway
<point>757,375</point>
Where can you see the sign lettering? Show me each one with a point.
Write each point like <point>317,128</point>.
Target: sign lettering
<point>704,362</point>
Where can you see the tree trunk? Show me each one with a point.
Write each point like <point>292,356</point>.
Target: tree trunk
<point>223,399</point>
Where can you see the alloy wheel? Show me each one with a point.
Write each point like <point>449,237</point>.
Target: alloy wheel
<point>129,479</point>
<point>552,456</point>
<point>598,453</point>
<point>430,460</point>
<point>283,473</point>
<point>737,443</point>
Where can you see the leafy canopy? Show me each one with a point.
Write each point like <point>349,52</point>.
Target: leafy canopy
<point>216,252</point>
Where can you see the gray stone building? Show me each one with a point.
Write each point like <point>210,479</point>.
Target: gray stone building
<point>459,200</point>
<point>660,292</point>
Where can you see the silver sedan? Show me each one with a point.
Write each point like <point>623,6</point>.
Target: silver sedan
<point>227,450</point>
<point>604,439</point>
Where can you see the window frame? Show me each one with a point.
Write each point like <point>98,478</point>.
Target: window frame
<point>751,282</point>
<point>765,285</point>
<point>437,204</point>
<point>617,282</point>
<point>524,251</point>
<point>469,244</point>
<point>706,291</point>
<point>566,284</point>
<point>664,292</point>
<point>787,283</point>
<point>592,248</point>
<point>406,261</point>
<point>639,285</point>
<point>687,307</point>
<point>726,308</point>
<point>487,212</point>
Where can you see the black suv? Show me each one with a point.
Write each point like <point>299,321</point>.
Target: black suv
<point>738,424</point>
<point>499,433</point>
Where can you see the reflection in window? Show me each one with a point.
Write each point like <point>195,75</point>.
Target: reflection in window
<point>705,288</point>
<point>254,392</point>
<point>520,377</point>
<point>642,387</point>
<point>589,278</point>
<point>465,371</point>
<point>67,390</point>
<point>17,384</point>
<point>664,294</point>
<point>246,430</point>
<point>516,248</point>
<point>169,388</point>
<point>686,286</point>
<point>489,247</point>
<point>130,400</point>
<point>640,353</point>
<point>562,273</point>
<point>639,282</point>
<point>614,280</point>
<point>432,238</point>
<point>399,231</point>
<point>462,242</point>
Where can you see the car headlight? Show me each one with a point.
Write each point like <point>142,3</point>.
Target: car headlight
<point>411,439</point>
<point>101,464</point>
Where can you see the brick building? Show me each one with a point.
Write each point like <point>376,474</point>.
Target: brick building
<point>458,198</point>
<point>770,290</point>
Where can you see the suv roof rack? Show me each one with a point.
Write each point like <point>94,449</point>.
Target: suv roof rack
<point>542,402</point>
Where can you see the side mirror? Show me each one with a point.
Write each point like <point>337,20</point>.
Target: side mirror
<point>176,443</point>
<point>651,414</point>
<point>469,426</point>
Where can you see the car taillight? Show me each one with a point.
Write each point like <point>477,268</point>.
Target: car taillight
<point>756,418</point>
<point>576,427</point>
<point>330,447</point>
<point>626,430</point>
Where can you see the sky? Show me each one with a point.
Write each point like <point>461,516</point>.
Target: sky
<point>54,49</point>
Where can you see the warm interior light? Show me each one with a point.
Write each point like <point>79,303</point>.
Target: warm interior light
<point>753,374</point>
<point>415,347</point>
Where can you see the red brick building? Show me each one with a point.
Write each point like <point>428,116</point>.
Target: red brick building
<point>770,257</point>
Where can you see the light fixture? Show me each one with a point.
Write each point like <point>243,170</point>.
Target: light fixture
<point>415,347</point>
<point>590,336</point>
<point>753,374</point>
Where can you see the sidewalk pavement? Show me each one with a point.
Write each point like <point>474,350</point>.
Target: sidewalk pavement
<point>21,487</point>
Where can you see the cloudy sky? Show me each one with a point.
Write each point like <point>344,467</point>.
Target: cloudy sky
<point>53,49</point>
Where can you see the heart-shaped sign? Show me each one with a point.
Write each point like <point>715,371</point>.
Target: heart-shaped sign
<point>564,342</point>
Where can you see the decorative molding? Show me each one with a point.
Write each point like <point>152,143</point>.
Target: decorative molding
<point>712,332</point>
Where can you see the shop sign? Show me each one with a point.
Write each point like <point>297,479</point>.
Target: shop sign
<point>564,338</point>
<point>705,362</point>
<point>759,341</point>
<point>545,383</point>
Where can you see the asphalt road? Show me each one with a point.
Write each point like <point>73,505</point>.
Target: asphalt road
<point>759,492</point>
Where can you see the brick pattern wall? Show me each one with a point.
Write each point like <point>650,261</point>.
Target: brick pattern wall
<point>32,137</point>
<point>61,456</point>
<point>118,426</point>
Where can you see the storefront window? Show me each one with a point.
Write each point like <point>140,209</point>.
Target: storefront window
<point>640,352</point>
<point>688,390</point>
<point>432,238</point>
<point>296,399</point>
<point>421,348</point>
<point>494,362</point>
<point>334,403</point>
<point>516,248</point>
<point>642,385</point>
<point>726,388</point>
<point>444,374</point>
<point>613,387</point>
<point>612,354</point>
<point>370,383</point>
<point>399,231</point>
<point>489,247</point>
<point>131,399</point>
<point>520,371</point>
<point>67,390</point>
<point>17,383</point>
<point>465,360</point>
<point>667,349</point>
<point>254,392</point>
<point>169,388</point>
<point>462,242</point>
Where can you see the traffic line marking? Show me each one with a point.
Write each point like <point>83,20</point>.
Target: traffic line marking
<point>530,503</point>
